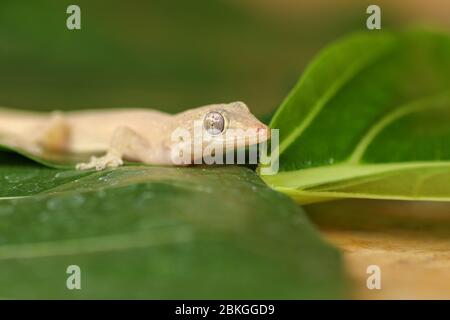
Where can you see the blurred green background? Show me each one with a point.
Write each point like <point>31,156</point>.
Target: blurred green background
<point>174,55</point>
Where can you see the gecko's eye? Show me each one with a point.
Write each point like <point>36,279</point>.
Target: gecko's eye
<point>214,123</point>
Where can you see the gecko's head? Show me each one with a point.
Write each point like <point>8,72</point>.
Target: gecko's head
<point>229,125</point>
<point>233,123</point>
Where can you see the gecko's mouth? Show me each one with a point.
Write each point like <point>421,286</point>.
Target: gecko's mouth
<point>239,141</point>
<point>252,136</point>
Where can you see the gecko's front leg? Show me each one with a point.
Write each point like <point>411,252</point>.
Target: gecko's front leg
<point>125,142</point>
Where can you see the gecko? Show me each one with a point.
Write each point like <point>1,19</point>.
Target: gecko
<point>139,135</point>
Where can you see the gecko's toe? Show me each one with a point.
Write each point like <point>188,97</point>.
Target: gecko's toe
<point>84,166</point>
<point>101,163</point>
<point>81,166</point>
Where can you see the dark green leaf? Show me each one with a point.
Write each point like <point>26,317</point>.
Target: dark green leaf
<point>156,232</point>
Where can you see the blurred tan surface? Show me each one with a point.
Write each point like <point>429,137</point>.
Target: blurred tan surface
<point>410,242</point>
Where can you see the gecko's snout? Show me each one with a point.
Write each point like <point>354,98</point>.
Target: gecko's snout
<point>263,131</point>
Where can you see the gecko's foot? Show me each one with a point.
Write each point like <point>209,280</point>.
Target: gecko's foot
<point>110,160</point>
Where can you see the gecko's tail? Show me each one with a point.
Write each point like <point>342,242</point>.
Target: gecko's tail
<point>50,132</point>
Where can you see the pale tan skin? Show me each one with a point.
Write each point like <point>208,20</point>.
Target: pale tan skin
<point>140,135</point>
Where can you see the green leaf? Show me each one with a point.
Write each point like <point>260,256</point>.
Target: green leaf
<point>61,160</point>
<point>369,118</point>
<point>156,232</point>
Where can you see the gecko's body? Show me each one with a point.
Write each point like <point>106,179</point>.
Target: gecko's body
<point>141,135</point>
